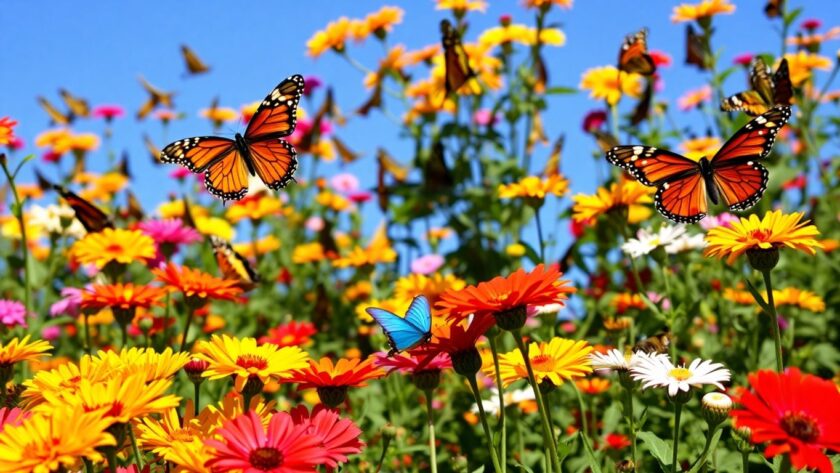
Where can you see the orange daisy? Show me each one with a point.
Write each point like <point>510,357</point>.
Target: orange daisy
<point>197,286</point>
<point>122,299</point>
<point>507,299</point>
<point>332,380</point>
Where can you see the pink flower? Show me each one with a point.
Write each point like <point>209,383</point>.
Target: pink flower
<point>311,83</point>
<point>51,157</point>
<point>695,98</point>
<point>656,298</point>
<point>725,219</point>
<point>345,183</point>
<point>427,264</point>
<point>16,143</point>
<point>170,231</point>
<point>339,437</point>
<point>69,305</point>
<point>411,362</point>
<point>180,173</point>
<point>51,332</point>
<point>12,313</point>
<point>314,223</point>
<point>12,416</point>
<point>108,112</point>
<point>360,197</point>
<point>661,58</point>
<point>594,120</point>
<point>304,126</point>
<point>744,59</point>
<point>485,117</point>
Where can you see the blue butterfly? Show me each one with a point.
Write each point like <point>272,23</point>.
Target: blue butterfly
<point>405,333</point>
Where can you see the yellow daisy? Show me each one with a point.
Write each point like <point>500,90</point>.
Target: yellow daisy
<point>534,188</point>
<point>118,245</point>
<point>774,231</point>
<point>608,83</point>
<point>701,11</point>
<point>462,6</point>
<point>802,65</point>
<point>696,148</point>
<point>558,360</point>
<point>626,196</point>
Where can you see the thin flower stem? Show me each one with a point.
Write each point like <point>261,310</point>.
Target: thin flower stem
<point>187,324</point>
<point>134,450</point>
<point>540,233</point>
<point>88,345</point>
<point>387,443</point>
<point>677,414</point>
<point>702,459</point>
<point>483,416</point>
<point>785,467</point>
<point>88,465</point>
<point>777,339</point>
<point>745,462</point>
<point>432,452</point>
<point>631,423</point>
<point>111,454</point>
<point>548,434</point>
<point>502,417</point>
<point>24,247</point>
<point>614,117</point>
<point>197,398</point>
<point>583,420</point>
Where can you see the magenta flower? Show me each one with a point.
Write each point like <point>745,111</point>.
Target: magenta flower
<point>168,235</point>
<point>339,437</point>
<point>427,264</point>
<point>360,197</point>
<point>345,183</point>
<point>594,120</point>
<point>744,59</point>
<point>311,83</point>
<point>51,157</point>
<point>12,313</point>
<point>108,112</point>
<point>725,219</point>
<point>51,332</point>
<point>411,362</point>
<point>180,173</point>
<point>16,143</point>
<point>485,117</point>
<point>70,305</point>
<point>811,24</point>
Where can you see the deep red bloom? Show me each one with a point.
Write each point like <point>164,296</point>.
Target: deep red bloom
<point>410,362</point>
<point>794,413</point>
<point>797,182</point>
<point>660,58</point>
<point>339,437</point>
<point>811,24</point>
<point>594,120</point>
<point>457,337</point>
<point>616,441</point>
<point>291,334</point>
<point>744,59</point>
<point>282,447</point>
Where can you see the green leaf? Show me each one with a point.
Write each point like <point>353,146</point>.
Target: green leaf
<point>560,91</point>
<point>523,467</point>
<point>702,460</point>
<point>759,299</point>
<point>657,447</point>
<point>594,464</point>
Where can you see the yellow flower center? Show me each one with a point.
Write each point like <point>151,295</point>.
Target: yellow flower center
<point>544,363</point>
<point>680,374</point>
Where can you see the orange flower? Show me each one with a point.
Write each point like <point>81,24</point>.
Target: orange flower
<point>593,385</point>
<point>701,11</point>
<point>332,37</point>
<point>7,132</point>
<point>254,207</point>
<point>332,380</point>
<point>382,22</point>
<point>291,334</point>
<point>694,98</point>
<point>462,6</point>
<point>626,300</point>
<point>544,3</point>
<point>507,298</point>
<point>121,296</point>
<point>197,286</point>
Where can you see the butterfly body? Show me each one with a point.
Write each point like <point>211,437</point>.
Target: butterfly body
<point>242,148</point>
<point>405,333</point>
<point>732,176</point>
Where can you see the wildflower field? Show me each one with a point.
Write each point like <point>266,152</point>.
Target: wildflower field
<point>424,280</point>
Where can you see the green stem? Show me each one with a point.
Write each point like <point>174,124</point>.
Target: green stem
<point>167,316</point>
<point>111,454</point>
<point>548,434</point>
<point>88,465</point>
<point>540,234</point>
<point>135,451</point>
<point>187,328</point>
<point>483,416</point>
<point>701,460</point>
<point>631,423</point>
<point>614,116</point>
<point>387,443</point>
<point>88,344</point>
<point>777,339</point>
<point>785,467</point>
<point>745,462</point>
<point>584,422</point>
<point>24,247</point>
<point>677,414</point>
<point>432,449</point>
<point>502,417</point>
<point>197,398</point>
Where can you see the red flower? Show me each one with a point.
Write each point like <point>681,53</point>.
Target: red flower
<point>413,362</point>
<point>291,334</point>
<point>811,24</point>
<point>794,413</point>
<point>339,437</point>
<point>660,58</point>
<point>282,447</point>
<point>594,120</point>
<point>744,59</point>
<point>616,441</point>
<point>332,380</point>
<point>797,182</point>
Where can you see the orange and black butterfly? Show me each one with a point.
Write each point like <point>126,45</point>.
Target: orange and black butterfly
<point>733,174</point>
<point>766,92</point>
<point>642,110</point>
<point>57,117</point>
<point>695,47</point>
<point>774,8</point>
<point>78,106</point>
<point>260,152</point>
<point>93,219</point>
<point>634,57</point>
<point>233,265</point>
<point>456,61</point>
<point>156,97</point>
<point>194,64</point>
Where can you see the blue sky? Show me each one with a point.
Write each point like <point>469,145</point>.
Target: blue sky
<point>98,49</point>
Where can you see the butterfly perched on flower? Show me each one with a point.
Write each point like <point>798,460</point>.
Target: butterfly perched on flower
<point>233,265</point>
<point>405,333</point>
<point>733,174</point>
<point>766,92</point>
<point>455,59</point>
<point>226,163</point>
<point>634,57</point>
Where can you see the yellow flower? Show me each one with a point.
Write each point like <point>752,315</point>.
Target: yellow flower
<point>219,115</point>
<point>215,226</point>
<point>542,3</point>
<point>696,148</point>
<point>516,250</point>
<point>333,201</point>
<point>625,195</point>
<point>153,365</point>
<point>232,406</point>
<point>62,140</point>
<point>308,253</point>
<point>802,64</point>
<point>378,251</point>
<point>254,208</point>
<point>532,187</point>
<point>245,359</point>
<point>395,305</point>
<point>158,435</point>
<point>359,291</point>
<point>439,233</point>
<point>122,246</point>
<point>608,83</point>
<point>518,33</point>
<point>7,130</point>
<point>264,245</point>
<point>407,287</point>
<point>332,37</point>
<point>798,297</point>
<point>190,456</point>
<point>18,350</point>
<point>738,296</point>
<point>775,230</point>
<point>421,55</point>
<point>462,6</point>
<point>104,187</point>
<point>556,361</point>
<point>703,10</point>
<point>54,441</point>
<point>383,21</point>
<point>11,228</point>
<point>175,209</point>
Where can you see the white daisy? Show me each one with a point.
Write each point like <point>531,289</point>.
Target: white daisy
<point>614,359</point>
<point>686,243</point>
<point>646,241</point>
<point>491,406</point>
<point>658,371</point>
<point>52,218</point>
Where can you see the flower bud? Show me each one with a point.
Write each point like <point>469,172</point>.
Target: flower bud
<point>763,259</point>
<point>467,362</point>
<point>426,380</point>
<point>511,319</point>
<point>195,368</point>
<point>716,407</point>
<point>332,396</point>
<point>741,437</point>
<point>625,465</point>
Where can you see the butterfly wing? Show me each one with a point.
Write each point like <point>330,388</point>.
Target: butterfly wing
<point>227,178</point>
<point>92,218</point>
<point>233,265</point>
<point>605,140</point>
<point>274,162</point>
<point>651,166</point>
<point>55,116</point>
<point>276,115</point>
<point>78,107</point>
<point>642,110</point>
<point>347,155</point>
<point>402,335</point>
<point>634,57</point>
<point>389,164</point>
<point>782,86</point>
<point>741,185</point>
<point>419,314</point>
<point>456,61</point>
<point>194,64</point>
<point>683,199</point>
<point>152,148</point>
<point>199,153</point>
<point>694,48</point>
<point>749,102</point>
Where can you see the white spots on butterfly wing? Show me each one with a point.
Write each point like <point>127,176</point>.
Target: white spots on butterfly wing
<point>761,121</point>
<point>637,150</point>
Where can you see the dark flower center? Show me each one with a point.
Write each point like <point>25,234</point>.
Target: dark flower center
<point>251,361</point>
<point>265,458</point>
<point>801,426</point>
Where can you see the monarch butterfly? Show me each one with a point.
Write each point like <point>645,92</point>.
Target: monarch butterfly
<point>152,148</point>
<point>93,219</point>
<point>226,163</point>
<point>405,333</point>
<point>194,64</point>
<point>387,162</point>
<point>657,343</point>
<point>133,208</point>
<point>695,47</point>
<point>774,8</point>
<point>683,184</point>
<point>375,101</point>
<point>347,155</point>
<point>634,57</point>
<point>78,106</point>
<point>642,110</point>
<point>156,97</point>
<point>552,165</point>
<point>233,265</point>
<point>455,59</point>
<point>766,91</point>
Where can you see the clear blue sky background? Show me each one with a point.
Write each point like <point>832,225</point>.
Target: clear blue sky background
<point>98,49</point>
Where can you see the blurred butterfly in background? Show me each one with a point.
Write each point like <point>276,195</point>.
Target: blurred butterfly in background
<point>455,59</point>
<point>774,8</point>
<point>695,47</point>
<point>766,92</point>
<point>405,333</point>
<point>552,164</point>
<point>634,57</point>
<point>133,208</point>
<point>227,163</point>
<point>78,106</point>
<point>57,117</point>
<point>233,265</point>
<point>656,343</point>
<point>92,218</point>
<point>347,155</point>
<point>156,97</point>
<point>152,148</point>
<point>733,174</point>
<point>194,64</point>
